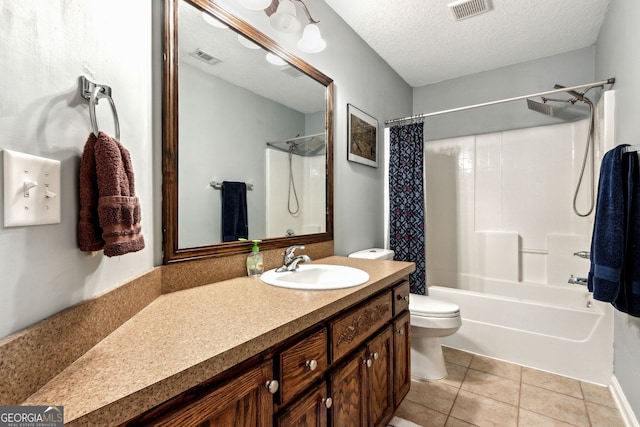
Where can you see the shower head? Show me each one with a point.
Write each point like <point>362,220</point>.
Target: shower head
<point>578,96</point>
<point>568,112</point>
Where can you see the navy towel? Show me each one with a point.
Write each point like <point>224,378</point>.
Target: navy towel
<point>235,224</point>
<point>615,248</point>
<point>629,297</point>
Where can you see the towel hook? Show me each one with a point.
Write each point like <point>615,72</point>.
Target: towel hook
<point>93,93</point>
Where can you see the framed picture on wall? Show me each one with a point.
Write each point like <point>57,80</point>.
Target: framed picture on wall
<point>362,140</point>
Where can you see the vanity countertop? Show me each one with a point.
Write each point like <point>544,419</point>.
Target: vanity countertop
<point>184,338</point>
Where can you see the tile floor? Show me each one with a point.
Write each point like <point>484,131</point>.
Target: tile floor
<point>480,391</point>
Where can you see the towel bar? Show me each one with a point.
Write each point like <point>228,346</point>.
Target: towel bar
<point>93,92</point>
<point>218,185</point>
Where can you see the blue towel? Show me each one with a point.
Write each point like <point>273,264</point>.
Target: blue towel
<point>628,299</point>
<point>614,275</point>
<point>608,239</point>
<point>234,211</point>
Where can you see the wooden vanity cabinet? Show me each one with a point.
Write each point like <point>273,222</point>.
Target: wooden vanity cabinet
<point>350,370</point>
<point>309,410</point>
<point>242,401</point>
<point>402,357</point>
<point>362,386</point>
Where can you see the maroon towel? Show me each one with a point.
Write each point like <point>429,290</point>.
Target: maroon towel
<point>109,209</point>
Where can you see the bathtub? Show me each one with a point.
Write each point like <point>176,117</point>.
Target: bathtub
<point>551,328</point>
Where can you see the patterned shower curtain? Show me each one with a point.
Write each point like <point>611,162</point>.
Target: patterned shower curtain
<point>406,200</point>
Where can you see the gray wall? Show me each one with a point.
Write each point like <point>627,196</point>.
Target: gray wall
<point>567,69</point>
<point>45,47</point>
<point>617,55</point>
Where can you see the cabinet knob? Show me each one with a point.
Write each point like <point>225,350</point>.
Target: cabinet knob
<point>367,363</point>
<point>375,355</point>
<point>400,331</point>
<point>311,364</point>
<point>327,401</point>
<point>403,297</point>
<point>272,386</point>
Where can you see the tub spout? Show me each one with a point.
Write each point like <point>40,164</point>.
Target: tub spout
<point>577,280</point>
<point>582,254</point>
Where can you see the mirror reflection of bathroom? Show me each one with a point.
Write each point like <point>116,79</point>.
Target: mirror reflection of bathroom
<point>295,185</point>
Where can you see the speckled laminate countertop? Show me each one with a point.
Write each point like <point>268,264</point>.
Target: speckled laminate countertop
<point>184,338</point>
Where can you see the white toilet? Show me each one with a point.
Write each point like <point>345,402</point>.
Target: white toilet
<point>430,319</point>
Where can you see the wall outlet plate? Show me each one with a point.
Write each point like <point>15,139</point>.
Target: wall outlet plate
<point>31,190</point>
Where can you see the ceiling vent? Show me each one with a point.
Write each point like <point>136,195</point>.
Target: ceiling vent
<point>205,57</point>
<point>292,72</point>
<point>462,9</point>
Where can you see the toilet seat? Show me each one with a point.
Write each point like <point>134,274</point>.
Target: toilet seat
<point>425,306</point>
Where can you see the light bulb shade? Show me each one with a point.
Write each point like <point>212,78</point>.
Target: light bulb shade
<point>311,41</point>
<point>247,43</point>
<point>213,21</point>
<point>284,19</point>
<point>275,59</point>
<point>255,4</point>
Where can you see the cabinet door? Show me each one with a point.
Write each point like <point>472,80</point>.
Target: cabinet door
<point>241,402</point>
<point>308,411</point>
<point>380,377</point>
<point>349,393</point>
<point>402,359</point>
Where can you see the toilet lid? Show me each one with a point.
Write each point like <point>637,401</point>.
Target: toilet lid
<point>431,307</point>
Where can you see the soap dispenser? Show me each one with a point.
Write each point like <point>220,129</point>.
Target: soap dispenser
<point>255,261</point>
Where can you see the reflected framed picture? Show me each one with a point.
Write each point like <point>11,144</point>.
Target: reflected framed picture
<point>362,141</point>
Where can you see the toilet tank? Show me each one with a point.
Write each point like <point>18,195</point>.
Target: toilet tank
<point>373,253</point>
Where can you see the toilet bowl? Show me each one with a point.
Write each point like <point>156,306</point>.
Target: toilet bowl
<point>431,319</point>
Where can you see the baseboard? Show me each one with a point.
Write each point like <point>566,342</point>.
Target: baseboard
<point>626,412</point>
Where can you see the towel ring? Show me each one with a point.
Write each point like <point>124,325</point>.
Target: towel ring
<point>92,92</point>
<point>97,93</point>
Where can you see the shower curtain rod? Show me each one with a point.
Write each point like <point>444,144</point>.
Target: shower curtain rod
<point>500,101</point>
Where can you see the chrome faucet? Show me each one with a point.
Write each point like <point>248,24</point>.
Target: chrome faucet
<point>577,280</point>
<point>290,261</point>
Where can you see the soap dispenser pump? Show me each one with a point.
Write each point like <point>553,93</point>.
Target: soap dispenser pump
<point>255,261</point>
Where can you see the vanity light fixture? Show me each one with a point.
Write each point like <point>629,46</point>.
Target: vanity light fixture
<point>247,43</point>
<point>213,21</point>
<point>282,17</point>
<point>274,59</point>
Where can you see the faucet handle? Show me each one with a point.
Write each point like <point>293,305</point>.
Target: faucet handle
<point>289,252</point>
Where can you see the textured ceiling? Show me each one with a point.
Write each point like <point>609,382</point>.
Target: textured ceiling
<point>423,43</point>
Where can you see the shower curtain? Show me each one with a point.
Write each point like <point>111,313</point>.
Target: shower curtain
<point>406,200</point>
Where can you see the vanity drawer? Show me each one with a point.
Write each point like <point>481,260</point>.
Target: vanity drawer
<point>302,363</point>
<point>353,328</point>
<point>401,297</point>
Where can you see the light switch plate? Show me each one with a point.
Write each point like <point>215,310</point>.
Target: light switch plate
<point>31,190</point>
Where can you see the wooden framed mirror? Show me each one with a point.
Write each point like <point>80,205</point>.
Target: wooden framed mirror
<point>229,115</point>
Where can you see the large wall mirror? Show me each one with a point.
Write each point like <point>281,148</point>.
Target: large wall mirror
<point>238,108</point>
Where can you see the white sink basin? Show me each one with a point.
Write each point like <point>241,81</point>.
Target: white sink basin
<point>316,277</point>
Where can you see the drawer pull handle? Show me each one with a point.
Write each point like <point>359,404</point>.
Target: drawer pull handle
<point>375,355</point>
<point>272,386</point>
<point>327,401</point>
<point>367,363</point>
<point>311,364</point>
<point>404,297</point>
<point>400,331</point>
